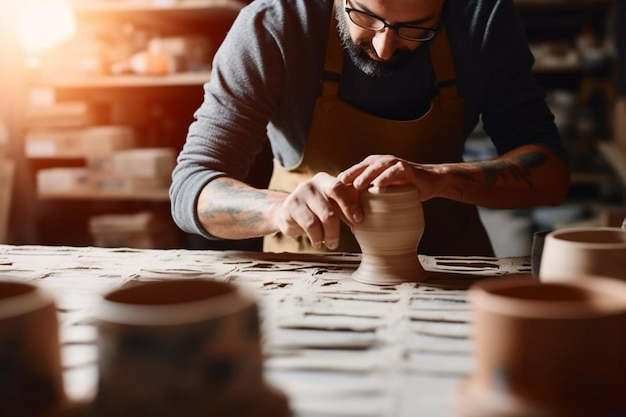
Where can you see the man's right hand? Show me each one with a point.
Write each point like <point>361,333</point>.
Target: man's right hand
<point>315,209</point>
<point>231,209</point>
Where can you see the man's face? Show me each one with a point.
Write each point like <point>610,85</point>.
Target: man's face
<point>378,53</point>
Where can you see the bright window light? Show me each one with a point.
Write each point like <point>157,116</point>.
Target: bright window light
<point>43,24</point>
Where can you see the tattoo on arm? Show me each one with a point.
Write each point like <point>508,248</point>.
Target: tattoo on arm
<point>519,170</point>
<point>241,204</point>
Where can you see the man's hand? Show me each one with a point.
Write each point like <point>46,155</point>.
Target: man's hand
<point>527,176</point>
<point>387,170</point>
<point>316,208</point>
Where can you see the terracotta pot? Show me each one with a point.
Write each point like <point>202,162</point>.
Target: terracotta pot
<point>576,252</point>
<point>182,348</point>
<point>547,349</point>
<point>389,236</point>
<point>31,382</point>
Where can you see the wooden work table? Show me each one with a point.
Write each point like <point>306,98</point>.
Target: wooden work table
<point>335,346</point>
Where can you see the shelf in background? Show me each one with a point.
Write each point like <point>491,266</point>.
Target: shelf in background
<point>122,81</point>
<point>161,195</point>
<point>137,6</point>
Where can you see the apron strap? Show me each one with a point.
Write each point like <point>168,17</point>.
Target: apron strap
<point>443,66</point>
<point>333,61</point>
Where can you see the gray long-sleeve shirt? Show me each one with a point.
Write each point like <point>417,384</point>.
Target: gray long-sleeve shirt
<point>266,77</point>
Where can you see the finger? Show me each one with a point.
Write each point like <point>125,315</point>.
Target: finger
<point>326,228</point>
<point>372,172</point>
<point>397,174</point>
<point>346,198</point>
<point>308,222</point>
<point>311,209</point>
<point>350,174</point>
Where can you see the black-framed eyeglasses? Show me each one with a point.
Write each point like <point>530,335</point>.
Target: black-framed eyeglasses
<point>405,31</point>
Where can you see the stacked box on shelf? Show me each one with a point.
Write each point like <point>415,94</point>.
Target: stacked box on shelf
<point>95,144</point>
<point>137,170</point>
<point>49,113</point>
<point>64,180</point>
<point>143,230</point>
<point>145,163</point>
<point>54,143</point>
<point>111,183</point>
<point>71,142</point>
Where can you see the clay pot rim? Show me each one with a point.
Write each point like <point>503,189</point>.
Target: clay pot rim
<point>485,296</point>
<point>234,299</point>
<point>568,237</point>
<point>29,298</point>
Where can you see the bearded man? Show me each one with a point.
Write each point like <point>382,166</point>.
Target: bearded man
<point>360,93</point>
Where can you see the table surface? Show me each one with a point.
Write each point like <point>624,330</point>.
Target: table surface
<point>335,346</point>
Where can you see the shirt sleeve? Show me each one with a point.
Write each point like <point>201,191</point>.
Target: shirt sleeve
<point>230,126</point>
<point>515,111</point>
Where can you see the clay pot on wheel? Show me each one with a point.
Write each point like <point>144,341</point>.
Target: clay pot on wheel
<point>389,236</point>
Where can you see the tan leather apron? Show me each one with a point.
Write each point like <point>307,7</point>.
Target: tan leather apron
<point>341,136</point>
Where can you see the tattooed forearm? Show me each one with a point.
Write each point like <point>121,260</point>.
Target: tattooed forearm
<point>519,169</point>
<point>244,205</point>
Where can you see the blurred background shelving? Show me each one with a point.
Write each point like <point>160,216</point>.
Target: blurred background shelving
<point>138,66</point>
<point>121,88</point>
<point>576,62</point>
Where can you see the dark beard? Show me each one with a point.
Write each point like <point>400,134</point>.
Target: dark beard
<point>359,52</point>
